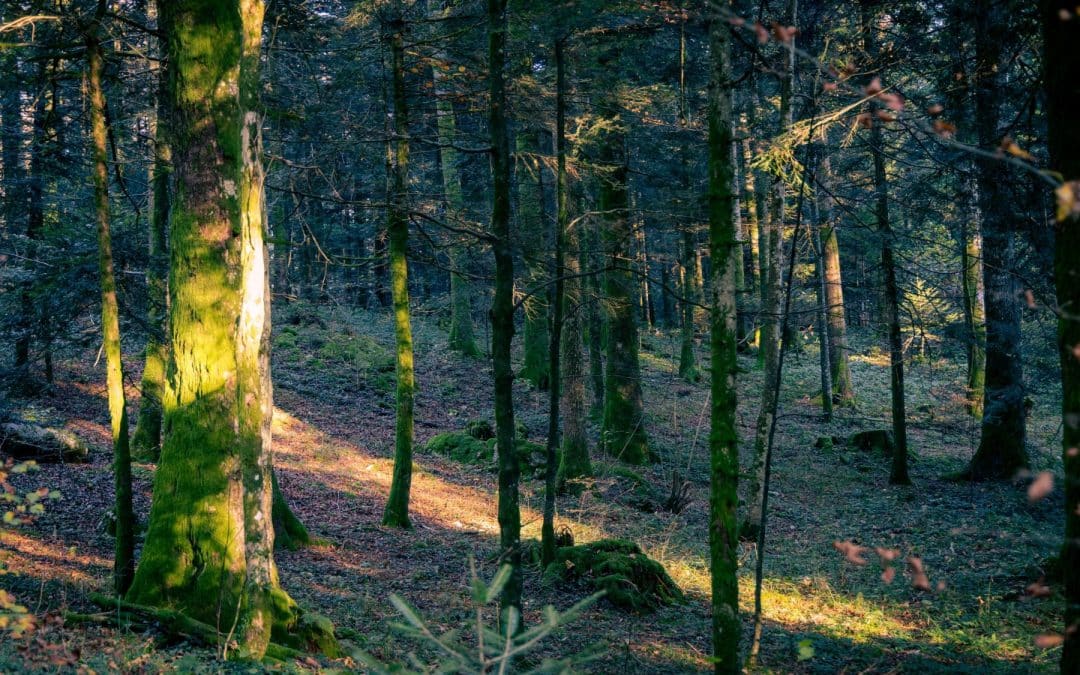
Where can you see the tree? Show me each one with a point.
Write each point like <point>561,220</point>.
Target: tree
<point>623,433</point>
<point>124,562</point>
<point>723,441</point>
<point>146,440</point>
<point>1061,75</point>
<point>1002,448</point>
<point>397,505</point>
<point>530,231</point>
<point>843,390</point>
<point>502,311</point>
<point>209,545</point>
<point>898,474</point>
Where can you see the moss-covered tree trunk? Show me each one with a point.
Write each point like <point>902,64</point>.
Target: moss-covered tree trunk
<point>1061,64</point>
<point>723,440</point>
<point>623,431</point>
<point>974,311</point>
<point>502,310</point>
<point>396,513</point>
<point>462,335</point>
<point>1002,448</point>
<point>124,562</point>
<point>209,546</point>
<point>530,233</point>
<point>146,440</point>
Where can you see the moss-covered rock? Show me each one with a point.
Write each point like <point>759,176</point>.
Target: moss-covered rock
<point>461,447</point>
<point>632,580</point>
<point>480,430</point>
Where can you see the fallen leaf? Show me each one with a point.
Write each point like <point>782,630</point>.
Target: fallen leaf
<point>1041,486</point>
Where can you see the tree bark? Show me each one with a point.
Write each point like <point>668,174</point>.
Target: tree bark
<point>723,441</point>
<point>1061,78</point>
<point>396,513</point>
<point>1002,448</point>
<point>502,313</point>
<point>124,562</point>
<point>209,546</point>
<point>530,233</point>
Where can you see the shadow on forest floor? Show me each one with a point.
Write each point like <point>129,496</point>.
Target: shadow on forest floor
<point>334,463</point>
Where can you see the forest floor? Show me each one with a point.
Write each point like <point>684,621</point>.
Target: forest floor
<point>333,431</point>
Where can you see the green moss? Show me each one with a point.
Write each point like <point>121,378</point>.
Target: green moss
<point>461,447</point>
<point>631,580</point>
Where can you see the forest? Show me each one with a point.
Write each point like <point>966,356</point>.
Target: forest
<point>449,336</point>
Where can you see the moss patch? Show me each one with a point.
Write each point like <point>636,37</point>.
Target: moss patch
<point>632,580</point>
<point>461,447</point>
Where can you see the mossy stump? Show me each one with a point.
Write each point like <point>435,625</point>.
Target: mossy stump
<point>630,579</point>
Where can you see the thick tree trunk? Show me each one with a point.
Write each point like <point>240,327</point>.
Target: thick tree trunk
<point>843,389</point>
<point>723,440</point>
<point>124,562</point>
<point>146,440</point>
<point>623,431</point>
<point>209,546</point>
<point>396,513</point>
<point>1061,64</point>
<point>502,313</point>
<point>1002,449</point>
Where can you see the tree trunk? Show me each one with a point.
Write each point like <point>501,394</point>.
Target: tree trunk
<point>146,440</point>
<point>1002,449</point>
<point>124,562</point>
<point>558,299</point>
<point>623,431</point>
<point>689,288</point>
<point>209,546</point>
<point>530,232</point>
<point>397,505</point>
<point>899,473</point>
<point>594,308</point>
<point>723,441</point>
<point>843,390</point>
<point>772,263</point>
<point>462,335</point>
<point>502,314</point>
<point>816,227</point>
<point>1061,64</point>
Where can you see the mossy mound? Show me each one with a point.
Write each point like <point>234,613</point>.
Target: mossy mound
<point>632,580</point>
<point>461,447</point>
<point>480,430</point>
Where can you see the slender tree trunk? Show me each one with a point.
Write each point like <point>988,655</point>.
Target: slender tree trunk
<point>690,272</point>
<point>562,221</point>
<point>594,306</point>
<point>1061,64</point>
<point>397,505</point>
<point>502,313</point>
<point>623,431</point>
<point>899,472</point>
<point>723,440</point>
<point>771,300</point>
<point>209,546</point>
<point>1002,450</point>
<point>974,311</point>
<point>843,389</point>
<point>146,440</point>
<point>823,304</point>
<point>124,562</point>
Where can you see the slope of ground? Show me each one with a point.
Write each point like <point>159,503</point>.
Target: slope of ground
<point>333,429</point>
